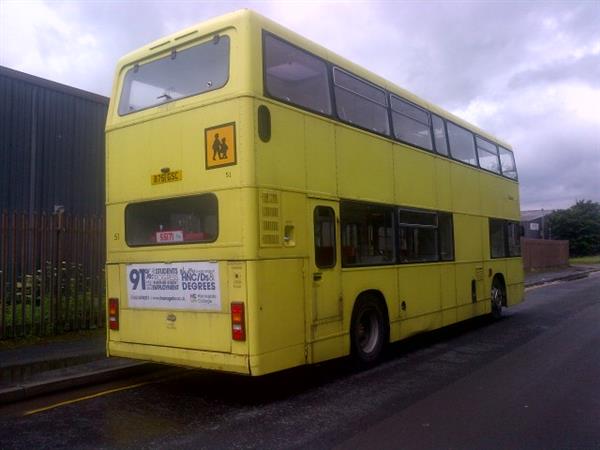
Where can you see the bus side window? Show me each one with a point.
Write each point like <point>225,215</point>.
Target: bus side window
<point>498,245</point>
<point>439,135</point>
<point>360,103</point>
<point>487,153</point>
<point>367,234</point>
<point>295,76</point>
<point>507,161</point>
<point>324,221</point>
<point>411,123</point>
<point>514,238</point>
<point>462,144</point>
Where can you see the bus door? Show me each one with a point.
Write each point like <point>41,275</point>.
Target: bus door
<point>326,293</point>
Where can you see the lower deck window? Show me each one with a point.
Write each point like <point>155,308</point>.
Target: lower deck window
<point>425,236</point>
<point>181,220</point>
<point>367,234</point>
<point>418,244</point>
<point>374,234</point>
<point>505,238</point>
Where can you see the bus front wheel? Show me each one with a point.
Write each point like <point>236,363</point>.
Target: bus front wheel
<point>368,330</point>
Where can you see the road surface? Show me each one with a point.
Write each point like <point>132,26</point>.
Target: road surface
<point>528,381</point>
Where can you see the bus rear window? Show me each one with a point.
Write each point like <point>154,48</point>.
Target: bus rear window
<point>182,73</point>
<point>181,220</point>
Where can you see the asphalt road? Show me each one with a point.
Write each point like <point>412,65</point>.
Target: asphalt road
<point>528,381</point>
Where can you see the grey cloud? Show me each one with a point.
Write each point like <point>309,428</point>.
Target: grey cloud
<point>559,163</point>
<point>454,54</point>
<point>450,53</point>
<point>585,69</point>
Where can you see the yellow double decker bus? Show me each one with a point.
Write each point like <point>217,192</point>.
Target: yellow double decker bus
<point>270,204</point>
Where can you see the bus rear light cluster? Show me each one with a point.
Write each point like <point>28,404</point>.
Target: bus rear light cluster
<point>113,313</point>
<point>238,326</point>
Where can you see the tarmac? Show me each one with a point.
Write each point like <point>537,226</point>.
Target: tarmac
<point>33,369</point>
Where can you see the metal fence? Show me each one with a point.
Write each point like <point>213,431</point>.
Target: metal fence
<point>51,273</point>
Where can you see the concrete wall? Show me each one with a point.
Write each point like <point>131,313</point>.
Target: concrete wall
<point>542,253</point>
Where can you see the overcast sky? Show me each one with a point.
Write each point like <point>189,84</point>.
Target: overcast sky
<point>526,71</point>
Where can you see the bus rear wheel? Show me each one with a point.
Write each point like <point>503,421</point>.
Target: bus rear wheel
<point>498,298</point>
<point>368,331</point>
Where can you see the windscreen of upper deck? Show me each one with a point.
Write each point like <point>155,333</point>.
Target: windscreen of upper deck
<point>181,73</point>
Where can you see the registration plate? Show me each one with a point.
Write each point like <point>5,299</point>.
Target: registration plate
<point>168,177</point>
<point>169,236</point>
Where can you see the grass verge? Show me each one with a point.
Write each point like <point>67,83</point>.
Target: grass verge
<point>585,260</point>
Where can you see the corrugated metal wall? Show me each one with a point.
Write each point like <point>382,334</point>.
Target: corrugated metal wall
<point>51,146</point>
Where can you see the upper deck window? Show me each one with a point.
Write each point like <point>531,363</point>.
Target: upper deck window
<point>360,103</point>
<point>295,76</point>
<point>411,123</point>
<point>507,161</point>
<point>488,155</point>
<point>462,144</point>
<point>439,135</point>
<point>182,73</point>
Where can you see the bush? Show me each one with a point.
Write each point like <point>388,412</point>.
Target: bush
<point>580,225</point>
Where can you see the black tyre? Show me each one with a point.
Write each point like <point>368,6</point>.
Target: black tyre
<point>368,332</point>
<point>498,295</point>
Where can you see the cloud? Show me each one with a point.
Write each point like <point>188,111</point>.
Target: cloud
<point>51,42</point>
<point>583,69</point>
<point>528,72</point>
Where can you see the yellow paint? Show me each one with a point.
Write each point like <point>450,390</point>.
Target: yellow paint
<point>280,162</point>
<point>423,297</point>
<point>295,312</point>
<point>87,397</point>
<point>275,314</point>
<point>319,135</point>
<point>98,394</point>
<point>415,178</point>
<point>364,166</point>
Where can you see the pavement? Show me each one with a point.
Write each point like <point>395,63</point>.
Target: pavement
<point>33,369</point>
<point>77,359</point>
<point>570,273</point>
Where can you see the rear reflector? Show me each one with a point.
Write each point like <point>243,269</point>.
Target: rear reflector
<point>238,327</point>
<point>113,313</point>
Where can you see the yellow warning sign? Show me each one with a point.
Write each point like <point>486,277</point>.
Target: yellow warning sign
<point>220,146</point>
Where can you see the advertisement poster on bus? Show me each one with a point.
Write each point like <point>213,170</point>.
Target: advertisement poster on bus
<point>181,286</point>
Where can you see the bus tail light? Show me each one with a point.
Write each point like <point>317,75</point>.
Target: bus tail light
<point>238,326</point>
<point>113,313</point>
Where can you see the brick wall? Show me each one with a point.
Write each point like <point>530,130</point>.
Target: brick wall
<point>543,253</point>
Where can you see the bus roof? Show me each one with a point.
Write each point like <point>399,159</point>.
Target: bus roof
<point>249,18</point>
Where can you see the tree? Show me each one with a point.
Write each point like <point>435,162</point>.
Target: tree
<point>580,224</point>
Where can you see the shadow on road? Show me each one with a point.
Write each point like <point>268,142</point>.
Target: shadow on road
<point>238,390</point>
